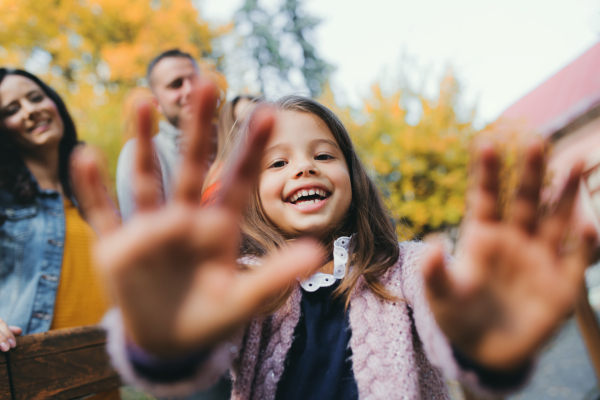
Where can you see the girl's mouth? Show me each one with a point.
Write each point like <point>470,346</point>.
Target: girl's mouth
<point>305,197</point>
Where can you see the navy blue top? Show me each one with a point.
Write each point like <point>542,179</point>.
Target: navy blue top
<point>318,365</point>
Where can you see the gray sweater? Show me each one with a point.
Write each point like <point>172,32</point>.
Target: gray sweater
<point>167,144</point>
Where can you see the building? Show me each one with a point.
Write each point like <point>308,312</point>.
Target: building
<point>565,110</point>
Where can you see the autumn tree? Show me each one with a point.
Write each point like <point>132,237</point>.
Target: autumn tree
<point>422,165</point>
<point>93,51</point>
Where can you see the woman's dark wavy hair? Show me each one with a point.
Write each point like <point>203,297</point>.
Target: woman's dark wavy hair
<point>14,175</point>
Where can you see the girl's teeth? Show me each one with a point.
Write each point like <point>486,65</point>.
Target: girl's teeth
<point>310,192</point>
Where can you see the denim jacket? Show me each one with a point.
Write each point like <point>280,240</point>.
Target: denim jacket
<point>31,251</point>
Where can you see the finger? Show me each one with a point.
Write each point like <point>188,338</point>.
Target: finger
<point>484,196</point>
<point>279,271</point>
<point>525,207</point>
<point>91,193</point>
<point>15,330</point>
<point>7,338</point>
<point>555,226</point>
<point>242,177</point>
<point>145,187</point>
<point>198,130</point>
<point>437,281</point>
<point>577,262</point>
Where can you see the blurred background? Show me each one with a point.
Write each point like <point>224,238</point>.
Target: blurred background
<point>416,82</point>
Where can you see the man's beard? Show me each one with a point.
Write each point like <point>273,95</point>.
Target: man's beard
<point>173,120</point>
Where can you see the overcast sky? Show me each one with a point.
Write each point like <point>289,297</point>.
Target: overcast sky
<point>500,50</point>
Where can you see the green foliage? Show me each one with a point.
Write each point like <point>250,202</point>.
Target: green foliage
<point>270,37</point>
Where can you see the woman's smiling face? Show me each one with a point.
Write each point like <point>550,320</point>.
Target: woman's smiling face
<point>29,114</point>
<point>304,185</point>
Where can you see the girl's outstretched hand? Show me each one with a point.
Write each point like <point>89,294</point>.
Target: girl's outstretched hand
<point>511,285</point>
<point>173,269</point>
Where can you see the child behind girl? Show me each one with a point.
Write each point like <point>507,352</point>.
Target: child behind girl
<point>379,320</point>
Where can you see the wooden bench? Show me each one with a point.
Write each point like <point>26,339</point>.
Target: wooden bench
<point>62,364</point>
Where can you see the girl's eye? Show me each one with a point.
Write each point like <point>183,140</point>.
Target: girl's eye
<point>278,164</point>
<point>37,98</point>
<point>323,157</point>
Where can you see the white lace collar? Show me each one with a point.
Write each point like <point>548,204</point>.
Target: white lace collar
<point>340,264</point>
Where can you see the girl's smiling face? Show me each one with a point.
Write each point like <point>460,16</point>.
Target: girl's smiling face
<point>29,114</point>
<point>304,185</point>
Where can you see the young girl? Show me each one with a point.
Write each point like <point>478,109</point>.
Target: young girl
<point>378,320</point>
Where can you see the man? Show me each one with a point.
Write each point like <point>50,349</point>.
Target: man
<point>171,75</point>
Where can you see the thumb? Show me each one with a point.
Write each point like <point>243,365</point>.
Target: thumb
<point>279,271</point>
<point>15,330</point>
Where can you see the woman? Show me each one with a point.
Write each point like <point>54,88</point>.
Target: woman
<point>47,280</point>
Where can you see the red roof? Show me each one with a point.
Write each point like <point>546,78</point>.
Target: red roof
<point>570,93</point>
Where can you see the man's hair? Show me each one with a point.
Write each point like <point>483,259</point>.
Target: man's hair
<point>168,54</point>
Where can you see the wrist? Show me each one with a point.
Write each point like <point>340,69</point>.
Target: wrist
<point>494,377</point>
<point>160,369</point>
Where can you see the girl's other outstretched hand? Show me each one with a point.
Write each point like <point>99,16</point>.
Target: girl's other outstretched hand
<point>511,285</point>
<point>173,270</point>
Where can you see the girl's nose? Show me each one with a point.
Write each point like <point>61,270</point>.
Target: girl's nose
<point>306,168</point>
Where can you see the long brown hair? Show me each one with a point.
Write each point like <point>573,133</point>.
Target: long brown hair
<point>374,245</point>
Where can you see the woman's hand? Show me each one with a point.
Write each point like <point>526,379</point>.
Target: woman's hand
<point>511,285</point>
<point>7,336</point>
<point>173,270</point>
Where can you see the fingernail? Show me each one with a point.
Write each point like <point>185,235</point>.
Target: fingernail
<point>12,343</point>
<point>4,346</point>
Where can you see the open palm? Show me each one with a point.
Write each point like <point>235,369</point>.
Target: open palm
<point>511,285</point>
<point>173,269</point>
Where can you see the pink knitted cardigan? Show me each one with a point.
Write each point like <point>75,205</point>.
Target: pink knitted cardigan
<point>398,351</point>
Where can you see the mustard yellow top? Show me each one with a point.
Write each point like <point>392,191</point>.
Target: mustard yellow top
<point>80,299</point>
